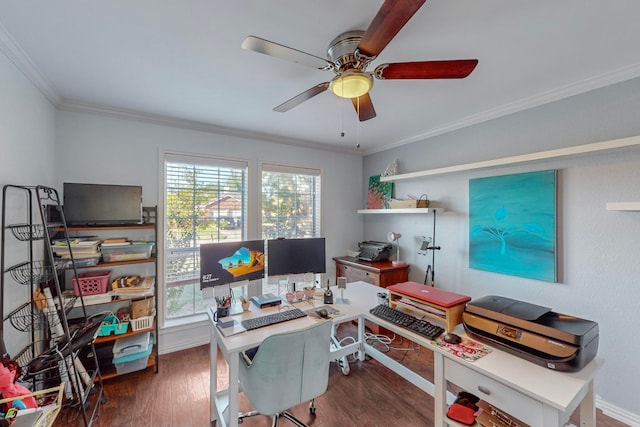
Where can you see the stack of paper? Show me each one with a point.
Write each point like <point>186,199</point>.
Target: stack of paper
<point>424,307</point>
<point>80,247</point>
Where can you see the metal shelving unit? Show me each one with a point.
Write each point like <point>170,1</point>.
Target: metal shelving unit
<point>38,321</point>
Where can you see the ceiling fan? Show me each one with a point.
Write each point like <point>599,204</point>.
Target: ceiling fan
<point>351,52</point>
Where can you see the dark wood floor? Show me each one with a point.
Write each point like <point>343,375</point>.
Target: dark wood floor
<point>178,396</point>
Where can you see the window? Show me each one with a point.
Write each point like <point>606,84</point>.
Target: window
<point>290,202</point>
<point>205,202</point>
<point>290,207</point>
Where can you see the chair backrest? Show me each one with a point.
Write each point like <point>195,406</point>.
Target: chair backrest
<point>288,369</point>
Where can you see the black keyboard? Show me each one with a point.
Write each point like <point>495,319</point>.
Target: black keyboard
<point>407,321</point>
<point>272,319</point>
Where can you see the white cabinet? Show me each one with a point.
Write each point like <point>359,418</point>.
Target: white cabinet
<point>494,393</point>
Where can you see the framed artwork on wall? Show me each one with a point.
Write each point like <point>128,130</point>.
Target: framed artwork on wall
<point>512,224</point>
<point>378,193</point>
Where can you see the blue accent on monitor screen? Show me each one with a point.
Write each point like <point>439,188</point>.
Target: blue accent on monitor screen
<point>227,262</point>
<point>296,256</point>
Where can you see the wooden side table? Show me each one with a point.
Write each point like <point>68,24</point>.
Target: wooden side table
<point>381,273</point>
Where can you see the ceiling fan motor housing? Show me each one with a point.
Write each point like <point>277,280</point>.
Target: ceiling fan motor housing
<point>341,51</point>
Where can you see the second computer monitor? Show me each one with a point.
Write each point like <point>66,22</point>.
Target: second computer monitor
<point>296,256</point>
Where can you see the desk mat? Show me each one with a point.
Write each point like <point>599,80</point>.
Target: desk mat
<point>467,349</point>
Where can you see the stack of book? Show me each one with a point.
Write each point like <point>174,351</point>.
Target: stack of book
<point>115,241</point>
<point>143,288</point>
<point>80,247</point>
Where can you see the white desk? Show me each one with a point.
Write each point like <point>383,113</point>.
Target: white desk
<point>536,395</point>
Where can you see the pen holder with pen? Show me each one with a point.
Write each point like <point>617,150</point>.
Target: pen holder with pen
<point>220,313</point>
<point>222,307</point>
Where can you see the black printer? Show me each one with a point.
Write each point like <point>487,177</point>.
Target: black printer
<point>556,341</point>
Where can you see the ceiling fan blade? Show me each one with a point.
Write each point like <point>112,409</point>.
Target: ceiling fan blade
<point>364,107</point>
<point>304,96</point>
<point>454,69</point>
<point>390,19</point>
<point>267,47</point>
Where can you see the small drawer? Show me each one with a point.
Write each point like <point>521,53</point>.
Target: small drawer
<point>354,274</point>
<point>499,395</point>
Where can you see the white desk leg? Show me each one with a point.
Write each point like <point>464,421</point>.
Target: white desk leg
<point>213,377</point>
<point>361,355</point>
<point>553,417</point>
<point>588,408</point>
<point>234,377</point>
<point>440,390</point>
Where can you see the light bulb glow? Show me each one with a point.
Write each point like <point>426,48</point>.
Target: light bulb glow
<point>351,84</point>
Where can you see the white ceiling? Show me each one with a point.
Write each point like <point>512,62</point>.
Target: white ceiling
<point>181,61</point>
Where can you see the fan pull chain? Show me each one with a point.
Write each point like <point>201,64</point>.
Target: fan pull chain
<point>358,124</point>
<point>342,118</point>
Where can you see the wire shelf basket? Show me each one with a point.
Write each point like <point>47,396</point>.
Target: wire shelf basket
<point>28,317</point>
<point>27,354</point>
<point>26,232</point>
<point>30,273</point>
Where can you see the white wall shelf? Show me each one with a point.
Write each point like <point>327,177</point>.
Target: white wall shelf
<point>523,158</point>
<point>623,206</point>
<point>400,211</point>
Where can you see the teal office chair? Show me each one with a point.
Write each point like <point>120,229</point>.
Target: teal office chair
<point>287,369</point>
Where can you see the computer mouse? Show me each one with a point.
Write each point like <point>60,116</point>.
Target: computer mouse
<point>451,338</point>
<point>322,312</point>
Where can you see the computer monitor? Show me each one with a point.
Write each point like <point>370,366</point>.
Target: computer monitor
<point>296,256</point>
<point>227,262</point>
<point>102,204</point>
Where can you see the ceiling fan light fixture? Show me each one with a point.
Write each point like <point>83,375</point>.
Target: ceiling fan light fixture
<point>351,84</point>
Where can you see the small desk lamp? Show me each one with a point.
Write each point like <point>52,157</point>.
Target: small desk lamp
<point>342,285</point>
<point>392,236</point>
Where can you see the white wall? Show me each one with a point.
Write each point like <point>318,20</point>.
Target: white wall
<point>598,249</point>
<point>100,149</point>
<point>27,144</point>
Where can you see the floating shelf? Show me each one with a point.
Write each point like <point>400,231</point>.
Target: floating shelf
<point>623,206</point>
<point>523,158</point>
<point>400,211</point>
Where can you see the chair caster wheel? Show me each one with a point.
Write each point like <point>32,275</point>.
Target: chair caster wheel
<point>344,366</point>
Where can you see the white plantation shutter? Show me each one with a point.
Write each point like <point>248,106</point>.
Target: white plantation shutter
<point>291,201</point>
<point>205,202</point>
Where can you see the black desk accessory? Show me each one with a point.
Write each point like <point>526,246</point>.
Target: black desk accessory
<point>328,295</point>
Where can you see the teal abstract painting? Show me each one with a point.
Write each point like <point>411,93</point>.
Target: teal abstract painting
<point>512,224</point>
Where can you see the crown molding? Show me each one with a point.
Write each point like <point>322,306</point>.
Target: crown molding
<point>19,57</point>
<point>576,88</point>
<point>73,106</point>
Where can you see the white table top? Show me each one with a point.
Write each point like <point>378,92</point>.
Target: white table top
<point>557,389</point>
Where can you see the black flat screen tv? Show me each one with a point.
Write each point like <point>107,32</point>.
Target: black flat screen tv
<point>296,256</point>
<point>101,204</point>
<point>228,262</point>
